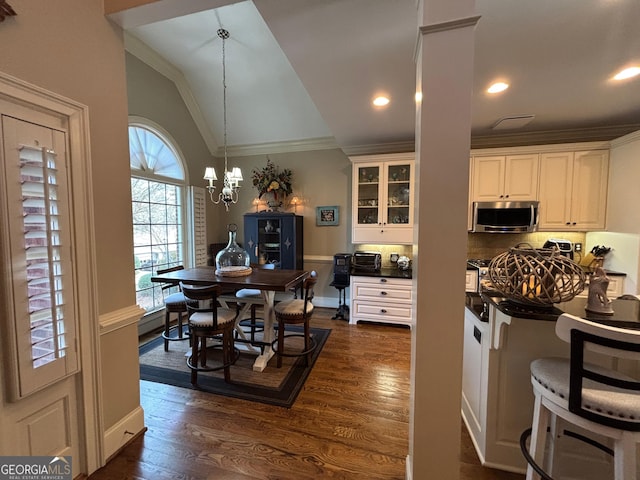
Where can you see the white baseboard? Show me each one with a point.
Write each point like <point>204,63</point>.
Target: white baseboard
<point>151,322</point>
<point>408,470</point>
<point>123,432</point>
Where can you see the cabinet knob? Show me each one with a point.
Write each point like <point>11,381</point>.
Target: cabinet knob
<point>382,310</point>
<point>568,223</point>
<point>506,196</point>
<point>383,293</point>
<point>383,280</point>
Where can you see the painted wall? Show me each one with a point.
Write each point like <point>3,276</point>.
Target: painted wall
<point>41,46</point>
<point>70,48</point>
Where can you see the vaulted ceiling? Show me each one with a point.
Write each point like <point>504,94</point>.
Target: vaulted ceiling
<point>301,74</point>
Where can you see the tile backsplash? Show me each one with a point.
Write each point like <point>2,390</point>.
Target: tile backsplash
<point>488,245</point>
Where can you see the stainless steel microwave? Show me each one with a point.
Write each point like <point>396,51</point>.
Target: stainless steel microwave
<point>505,217</point>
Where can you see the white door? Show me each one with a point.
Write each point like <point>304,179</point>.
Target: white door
<point>40,412</point>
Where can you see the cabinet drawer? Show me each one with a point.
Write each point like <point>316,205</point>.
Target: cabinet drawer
<point>381,293</point>
<point>381,312</point>
<point>382,281</point>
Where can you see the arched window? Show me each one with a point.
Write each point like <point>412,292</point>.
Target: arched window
<point>158,189</point>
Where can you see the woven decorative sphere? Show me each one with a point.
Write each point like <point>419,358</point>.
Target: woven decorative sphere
<point>536,276</point>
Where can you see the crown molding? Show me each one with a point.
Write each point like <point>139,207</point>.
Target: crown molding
<point>373,149</point>
<point>553,136</point>
<point>630,138</point>
<point>320,143</point>
<point>146,54</point>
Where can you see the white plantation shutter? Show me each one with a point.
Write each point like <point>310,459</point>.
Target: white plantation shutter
<point>40,246</point>
<point>199,219</point>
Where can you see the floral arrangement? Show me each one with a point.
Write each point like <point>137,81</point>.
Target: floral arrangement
<point>270,180</point>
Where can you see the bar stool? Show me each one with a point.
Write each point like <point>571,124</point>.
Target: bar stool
<point>248,299</point>
<point>594,398</point>
<point>207,320</point>
<point>291,312</point>
<point>173,303</point>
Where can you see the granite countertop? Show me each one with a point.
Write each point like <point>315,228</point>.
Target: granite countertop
<point>388,272</point>
<point>626,311</point>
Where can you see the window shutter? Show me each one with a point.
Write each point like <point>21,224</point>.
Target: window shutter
<point>198,206</point>
<point>42,286</point>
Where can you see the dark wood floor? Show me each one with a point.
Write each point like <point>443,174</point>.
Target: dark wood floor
<point>349,422</point>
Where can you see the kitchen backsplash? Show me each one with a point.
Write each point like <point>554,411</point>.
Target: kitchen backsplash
<point>488,245</point>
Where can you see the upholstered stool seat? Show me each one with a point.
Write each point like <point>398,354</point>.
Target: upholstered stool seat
<point>295,311</point>
<point>290,309</point>
<point>207,320</point>
<point>553,375</point>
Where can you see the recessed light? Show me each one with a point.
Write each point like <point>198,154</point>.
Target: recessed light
<point>627,73</point>
<point>498,87</point>
<point>380,101</point>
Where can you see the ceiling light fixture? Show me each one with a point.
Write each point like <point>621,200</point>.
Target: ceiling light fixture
<point>627,73</point>
<point>498,87</point>
<point>231,179</point>
<point>380,101</point>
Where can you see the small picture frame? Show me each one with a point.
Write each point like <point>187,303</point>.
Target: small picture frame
<point>327,216</point>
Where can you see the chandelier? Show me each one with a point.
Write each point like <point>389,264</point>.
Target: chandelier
<point>231,178</point>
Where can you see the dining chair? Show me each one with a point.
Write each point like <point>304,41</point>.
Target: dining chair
<point>599,400</point>
<point>207,320</point>
<point>291,312</point>
<point>174,302</point>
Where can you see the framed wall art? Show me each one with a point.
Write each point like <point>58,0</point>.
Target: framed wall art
<point>327,216</point>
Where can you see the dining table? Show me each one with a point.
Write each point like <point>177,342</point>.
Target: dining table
<point>269,282</point>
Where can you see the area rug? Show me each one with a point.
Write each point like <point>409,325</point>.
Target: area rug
<point>274,386</point>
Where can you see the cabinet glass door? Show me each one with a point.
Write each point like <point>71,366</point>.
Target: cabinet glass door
<point>269,241</point>
<point>368,194</point>
<point>398,193</point>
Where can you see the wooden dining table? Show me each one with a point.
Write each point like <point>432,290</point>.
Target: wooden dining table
<point>269,282</point>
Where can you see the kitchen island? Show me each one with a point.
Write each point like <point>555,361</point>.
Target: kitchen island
<point>497,396</point>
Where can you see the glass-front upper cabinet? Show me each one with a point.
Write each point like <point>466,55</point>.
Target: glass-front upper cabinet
<point>383,198</point>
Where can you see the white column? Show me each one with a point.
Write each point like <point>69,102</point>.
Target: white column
<point>443,119</point>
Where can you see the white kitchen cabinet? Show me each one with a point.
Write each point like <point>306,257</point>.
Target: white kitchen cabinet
<point>573,190</point>
<point>382,203</point>
<point>505,177</point>
<point>380,299</point>
<point>474,379</point>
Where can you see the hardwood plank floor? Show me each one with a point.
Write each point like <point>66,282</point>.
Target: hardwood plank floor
<point>349,422</point>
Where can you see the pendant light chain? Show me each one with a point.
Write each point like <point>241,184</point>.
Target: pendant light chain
<point>231,179</point>
<point>224,34</point>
